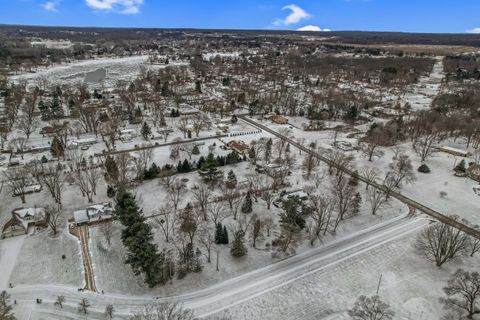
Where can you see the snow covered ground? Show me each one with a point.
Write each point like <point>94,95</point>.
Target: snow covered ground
<point>421,94</point>
<point>116,69</point>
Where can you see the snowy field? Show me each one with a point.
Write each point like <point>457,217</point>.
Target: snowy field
<point>409,284</point>
<point>105,71</point>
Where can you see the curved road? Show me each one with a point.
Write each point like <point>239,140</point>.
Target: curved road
<point>227,294</point>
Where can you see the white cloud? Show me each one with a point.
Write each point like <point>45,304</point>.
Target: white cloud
<point>296,15</point>
<point>121,6</point>
<point>51,5</point>
<point>312,28</point>
<point>474,30</point>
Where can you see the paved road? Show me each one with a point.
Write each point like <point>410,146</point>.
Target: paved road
<point>408,201</point>
<point>232,292</point>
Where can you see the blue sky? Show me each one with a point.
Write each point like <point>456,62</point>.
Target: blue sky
<point>454,16</point>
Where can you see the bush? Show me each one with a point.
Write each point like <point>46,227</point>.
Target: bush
<point>424,168</point>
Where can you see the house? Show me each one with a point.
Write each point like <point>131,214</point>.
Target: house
<point>473,172</point>
<point>93,213</point>
<point>23,220</point>
<point>239,147</point>
<point>279,119</point>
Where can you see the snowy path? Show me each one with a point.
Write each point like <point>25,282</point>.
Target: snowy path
<point>421,94</point>
<point>229,293</point>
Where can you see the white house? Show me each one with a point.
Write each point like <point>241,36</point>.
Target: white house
<point>93,213</point>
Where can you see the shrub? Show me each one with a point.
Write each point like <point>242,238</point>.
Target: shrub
<point>424,168</point>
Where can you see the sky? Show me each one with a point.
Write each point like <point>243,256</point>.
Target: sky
<point>440,16</point>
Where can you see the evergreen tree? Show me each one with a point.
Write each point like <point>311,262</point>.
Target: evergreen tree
<point>356,204</point>
<point>57,148</point>
<point>268,150</point>
<point>137,236</point>
<point>231,182</point>
<point>234,119</point>
<point>351,114</point>
<point>146,131</point>
<point>247,203</point>
<point>186,167</point>
<point>460,167</point>
<point>56,109</point>
<point>354,179</point>
<point>252,153</point>
<point>198,86</point>
<point>111,170</point>
<point>195,150</point>
<point>238,248</point>
<point>218,233</point>
<point>225,235</point>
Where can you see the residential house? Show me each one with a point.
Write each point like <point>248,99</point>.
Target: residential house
<point>473,172</point>
<point>279,119</point>
<point>93,213</point>
<point>23,221</point>
<point>239,146</point>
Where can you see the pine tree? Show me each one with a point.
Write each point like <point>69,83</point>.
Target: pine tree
<point>57,148</point>
<point>195,150</point>
<point>186,167</point>
<point>111,170</point>
<point>137,236</point>
<point>354,179</point>
<point>356,203</point>
<point>268,150</point>
<point>231,182</point>
<point>238,247</point>
<point>218,233</point>
<point>247,203</point>
<point>146,131</point>
<point>225,235</point>
<point>251,153</point>
<point>461,167</point>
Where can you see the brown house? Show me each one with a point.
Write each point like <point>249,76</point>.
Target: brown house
<point>239,146</point>
<point>279,119</point>
<point>23,220</point>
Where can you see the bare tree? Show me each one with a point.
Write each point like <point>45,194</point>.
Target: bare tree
<point>321,213</point>
<point>59,302</point>
<point>268,224</point>
<point>17,180</point>
<point>109,311</point>
<point>463,292</point>
<point>106,229</point>
<point>166,219</point>
<point>370,175</point>
<point>377,199</point>
<point>27,122</point>
<point>202,195</point>
<point>52,178</point>
<point>6,312</point>
<point>207,239</point>
<point>371,308</point>
<point>441,243</point>
<point>176,192</point>
<point>83,305</point>
<point>19,144</point>
<point>163,311</point>
<point>141,160</point>
<point>53,216</point>
<point>402,170</point>
<point>216,212</point>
